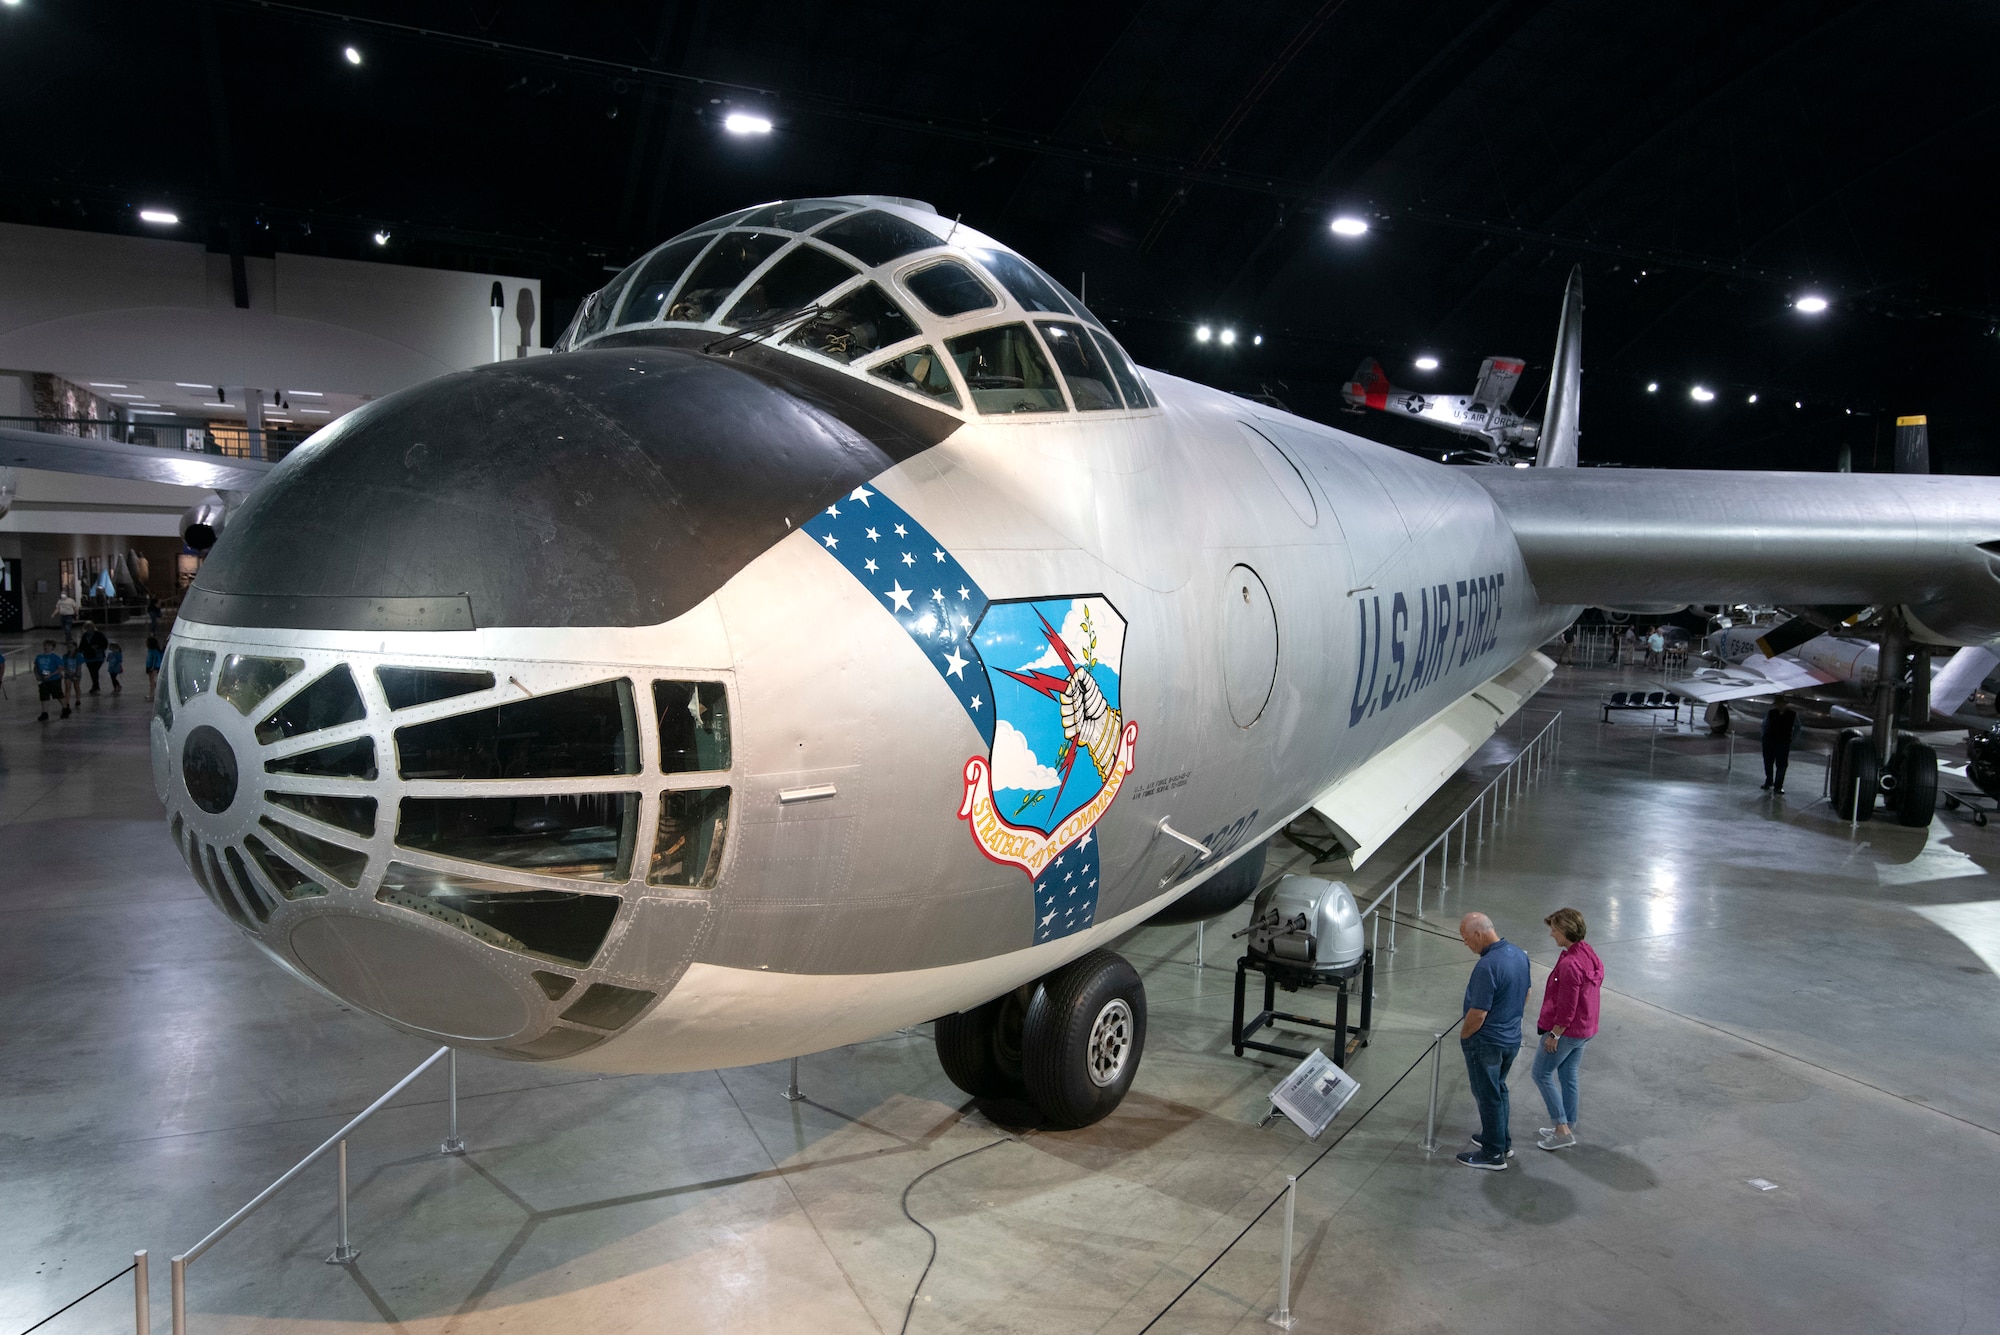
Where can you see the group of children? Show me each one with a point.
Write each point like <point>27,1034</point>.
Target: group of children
<point>59,676</point>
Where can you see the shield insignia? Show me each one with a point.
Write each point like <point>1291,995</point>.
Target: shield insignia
<point>1061,749</point>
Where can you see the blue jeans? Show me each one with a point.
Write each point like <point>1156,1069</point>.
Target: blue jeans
<point>1555,1076</point>
<point>1486,1067</point>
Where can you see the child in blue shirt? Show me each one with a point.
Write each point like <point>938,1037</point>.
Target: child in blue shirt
<point>72,671</point>
<point>114,663</point>
<point>154,657</point>
<point>49,678</point>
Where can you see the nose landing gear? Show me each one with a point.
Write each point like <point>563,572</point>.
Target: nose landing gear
<point>1069,1043</point>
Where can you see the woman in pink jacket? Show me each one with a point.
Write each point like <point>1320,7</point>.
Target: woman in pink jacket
<point>1568,1020</point>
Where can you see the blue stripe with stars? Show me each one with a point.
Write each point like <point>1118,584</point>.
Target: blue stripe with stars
<point>919,583</point>
<point>1066,891</point>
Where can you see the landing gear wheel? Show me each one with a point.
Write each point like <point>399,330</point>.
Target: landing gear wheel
<point>1081,1043</point>
<point>980,1049</point>
<point>1855,771</point>
<point>1916,792</point>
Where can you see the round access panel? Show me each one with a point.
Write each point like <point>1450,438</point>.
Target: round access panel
<point>1249,645</point>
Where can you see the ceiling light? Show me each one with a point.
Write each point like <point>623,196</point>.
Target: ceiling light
<point>128,396</point>
<point>1345,226</point>
<point>1753,398</point>
<point>742,122</point>
<point>160,216</point>
<point>1700,395</point>
<point>1652,387</point>
<point>353,56</point>
<point>1520,463</point>
<point>151,412</point>
<point>381,238</point>
<point>321,411</point>
<point>1810,305</point>
<point>106,384</point>
<point>1798,403</point>
<point>305,394</point>
<point>1257,342</point>
<point>1228,337</point>
<point>1426,363</point>
<point>145,405</point>
<point>1203,334</point>
<point>184,384</point>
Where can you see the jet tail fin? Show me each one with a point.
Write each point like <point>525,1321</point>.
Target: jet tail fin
<point>1960,677</point>
<point>1557,447</point>
<point>1497,378</point>
<point>1370,387</point>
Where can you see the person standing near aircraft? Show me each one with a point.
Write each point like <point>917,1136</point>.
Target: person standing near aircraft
<point>1490,1034</point>
<point>114,664</point>
<point>92,645</point>
<point>154,657</point>
<point>1781,726</point>
<point>49,679</point>
<point>1568,1021</point>
<point>66,612</point>
<point>72,675</point>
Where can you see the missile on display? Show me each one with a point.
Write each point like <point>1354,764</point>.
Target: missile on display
<point>840,632</point>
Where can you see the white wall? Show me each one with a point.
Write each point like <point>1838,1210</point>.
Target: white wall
<point>92,306</point>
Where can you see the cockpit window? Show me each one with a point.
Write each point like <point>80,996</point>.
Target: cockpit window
<point>1136,393</point>
<point>656,282</point>
<point>857,324</point>
<point>1082,365</point>
<point>568,734</point>
<point>795,215</point>
<point>694,725</point>
<point>192,670</point>
<point>597,309</point>
<point>875,237</point>
<point>1074,303</point>
<point>1006,371</point>
<point>921,371</point>
<point>1022,280</point>
<point>789,285</point>
<point>589,835</point>
<point>949,288</point>
<point>727,263</point>
<point>714,224</point>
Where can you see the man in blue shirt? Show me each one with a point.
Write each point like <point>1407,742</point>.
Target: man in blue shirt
<point>49,678</point>
<point>1490,1034</point>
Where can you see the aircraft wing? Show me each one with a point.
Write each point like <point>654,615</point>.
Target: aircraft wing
<point>1755,675</point>
<point>1497,378</point>
<point>140,463</point>
<point>1637,537</point>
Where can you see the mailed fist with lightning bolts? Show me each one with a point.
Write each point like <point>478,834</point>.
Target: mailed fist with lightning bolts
<point>1090,725</point>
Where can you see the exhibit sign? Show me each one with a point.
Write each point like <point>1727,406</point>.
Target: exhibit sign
<point>1314,1093</point>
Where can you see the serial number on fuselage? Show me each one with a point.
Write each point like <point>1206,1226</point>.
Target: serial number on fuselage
<point>1457,623</point>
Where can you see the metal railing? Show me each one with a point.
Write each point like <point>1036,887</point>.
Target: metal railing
<point>1527,768</point>
<point>142,1311</point>
<point>189,434</point>
<point>344,1251</point>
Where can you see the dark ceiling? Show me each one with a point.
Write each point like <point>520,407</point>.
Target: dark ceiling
<point>1705,163</point>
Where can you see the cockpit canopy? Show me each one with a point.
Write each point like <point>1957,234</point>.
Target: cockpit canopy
<point>882,288</point>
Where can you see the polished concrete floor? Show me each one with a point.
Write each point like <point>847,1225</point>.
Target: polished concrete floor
<point>1787,1000</point>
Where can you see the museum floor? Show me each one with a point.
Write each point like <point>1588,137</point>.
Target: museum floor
<point>1777,1008</point>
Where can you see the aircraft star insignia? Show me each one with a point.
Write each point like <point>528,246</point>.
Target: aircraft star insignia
<point>898,596</point>
<point>957,662</point>
<point>860,494</point>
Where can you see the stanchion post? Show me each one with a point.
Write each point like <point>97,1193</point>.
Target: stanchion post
<point>1444,870</point>
<point>1283,1318</point>
<point>1431,1121</point>
<point>342,1251</point>
<point>1199,961</point>
<point>1395,907</point>
<point>453,1142</point>
<point>1461,837</point>
<point>177,1279</point>
<point>142,1296</point>
<point>792,1089</point>
<point>1853,812</point>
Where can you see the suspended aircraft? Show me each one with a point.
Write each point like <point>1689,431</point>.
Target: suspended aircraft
<point>840,632</point>
<point>1505,436</point>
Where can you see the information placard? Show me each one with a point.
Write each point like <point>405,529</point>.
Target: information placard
<point>1313,1094</point>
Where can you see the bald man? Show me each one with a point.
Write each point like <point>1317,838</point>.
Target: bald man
<point>1490,1034</point>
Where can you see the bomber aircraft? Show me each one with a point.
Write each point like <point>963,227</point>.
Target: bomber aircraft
<point>840,632</point>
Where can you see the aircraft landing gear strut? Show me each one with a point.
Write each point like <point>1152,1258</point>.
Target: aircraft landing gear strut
<point>1886,763</point>
<point>1069,1043</point>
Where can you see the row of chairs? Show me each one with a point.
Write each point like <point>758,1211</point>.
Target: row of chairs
<point>1641,700</point>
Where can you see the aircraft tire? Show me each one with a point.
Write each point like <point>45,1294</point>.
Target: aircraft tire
<point>1917,794</point>
<point>1837,781</point>
<point>979,1053</point>
<point>1858,766</point>
<point>1083,1037</point>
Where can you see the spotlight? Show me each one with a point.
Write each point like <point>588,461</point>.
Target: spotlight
<point>742,122</point>
<point>1753,398</point>
<point>1257,342</point>
<point>1798,403</point>
<point>1203,334</point>
<point>382,238</point>
<point>1228,338</point>
<point>1652,387</point>
<point>353,55</point>
<point>160,216</point>
<point>1426,363</point>
<point>1345,226</point>
<point>1700,395</point>
<point>1810,305</point>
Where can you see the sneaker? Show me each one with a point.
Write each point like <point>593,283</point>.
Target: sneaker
<point>1478,1159</point>
<point>1767,783</point>
<point>44,718</point>
<point>1551,1141</point>
<point>65,713</point>
<point>1477,1143</point>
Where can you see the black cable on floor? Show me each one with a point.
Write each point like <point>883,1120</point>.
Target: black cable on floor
<point>74,1301</point>
<point>1281,1195</point>
<point>911,1307</point>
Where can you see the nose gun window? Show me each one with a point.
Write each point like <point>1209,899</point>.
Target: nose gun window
<point>327,703</point>
<point>795,215</point>
<point>789,284</point>
<point>353,814</point>
<point>922,371</point>
<point>587,835</point>
<point>687,847</point>
<point>344,760</point>
<point>246,680</point>
<point>406,688</point>
<point>949,288</point>
<point>1136,393</point>
<point>728,263</point>
<point>192,670</point>
<point>1006,371</point>
<point>559,924</point>
<point>345,864</point>
<point>859,323</point>
<point>568,734</point>
<point>1023,281</point>
<point>597,311</point>
<point>875,237</point>
<point>693,718</point>
<point>656,282</point>
<point>1082,366</point>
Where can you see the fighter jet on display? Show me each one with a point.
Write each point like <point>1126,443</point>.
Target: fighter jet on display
<point>840,632</point>
<point>1505,435</point>
<point>1837,667</point>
